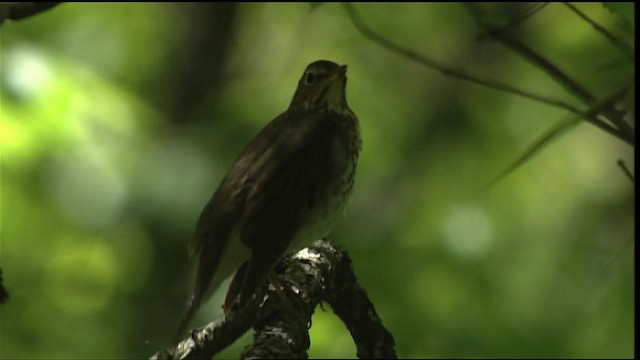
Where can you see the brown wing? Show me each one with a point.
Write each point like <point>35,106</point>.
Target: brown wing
<point>268,190</point>
<point>227,204</point>
<point>283,184</point>
<point>224,211</point>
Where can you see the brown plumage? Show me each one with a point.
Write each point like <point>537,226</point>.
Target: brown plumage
<point>284,191</point>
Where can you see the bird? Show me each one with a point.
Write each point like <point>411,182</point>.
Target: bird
<point>284,191</point>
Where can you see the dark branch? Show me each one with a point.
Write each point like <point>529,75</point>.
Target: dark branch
<point>534,9</point>
<point>619,43</point>
<point>21,10</point>
<point>623,130</point>
<point>556,131</point>
<point>541,62</point>
<point>4,294</point>
<point>321,272</point>
<point>351,304</point>
<point>367,32</point>
<point>626,170</point>
<point>433,64</point>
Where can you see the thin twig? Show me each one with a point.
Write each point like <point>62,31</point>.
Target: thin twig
<point>561,78</point>
<point>624,130</point>
<point>422,59</point>
<point>619,43</point>
<point>516,21</point>
<point>626,170</point>
<point>544,64</point>
<point>553,133</point>
<point>430,63</point>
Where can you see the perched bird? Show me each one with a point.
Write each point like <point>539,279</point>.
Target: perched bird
<point>284,191</point>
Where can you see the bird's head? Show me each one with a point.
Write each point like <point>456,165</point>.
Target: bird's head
<point>322,88</point>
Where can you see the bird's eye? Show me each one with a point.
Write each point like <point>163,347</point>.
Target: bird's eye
<point>309,78</point>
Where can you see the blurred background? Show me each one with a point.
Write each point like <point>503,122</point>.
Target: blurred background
<point>119,120</point>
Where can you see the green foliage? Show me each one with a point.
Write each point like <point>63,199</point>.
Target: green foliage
<point>626,11</point>
<point>115,130</point>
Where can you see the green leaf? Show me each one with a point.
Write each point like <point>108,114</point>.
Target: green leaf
<point>625,10</point>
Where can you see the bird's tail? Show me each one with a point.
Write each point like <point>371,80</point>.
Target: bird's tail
<point>204,274</point>
<point>192,306</point>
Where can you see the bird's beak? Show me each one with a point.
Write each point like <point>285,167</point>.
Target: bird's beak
<point>340,73</point>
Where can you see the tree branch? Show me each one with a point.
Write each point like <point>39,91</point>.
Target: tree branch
<point>555,132</point>
<point>433,64</point>
<point>321,272</point>
<point>367,32</point>
<point>21,10</point>
<point>4,294</point>
<point>619,43</point>
<point>623,130</point>
<point>626,170</point>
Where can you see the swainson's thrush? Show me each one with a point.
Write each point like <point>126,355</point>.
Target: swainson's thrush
<point>283,192</point>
